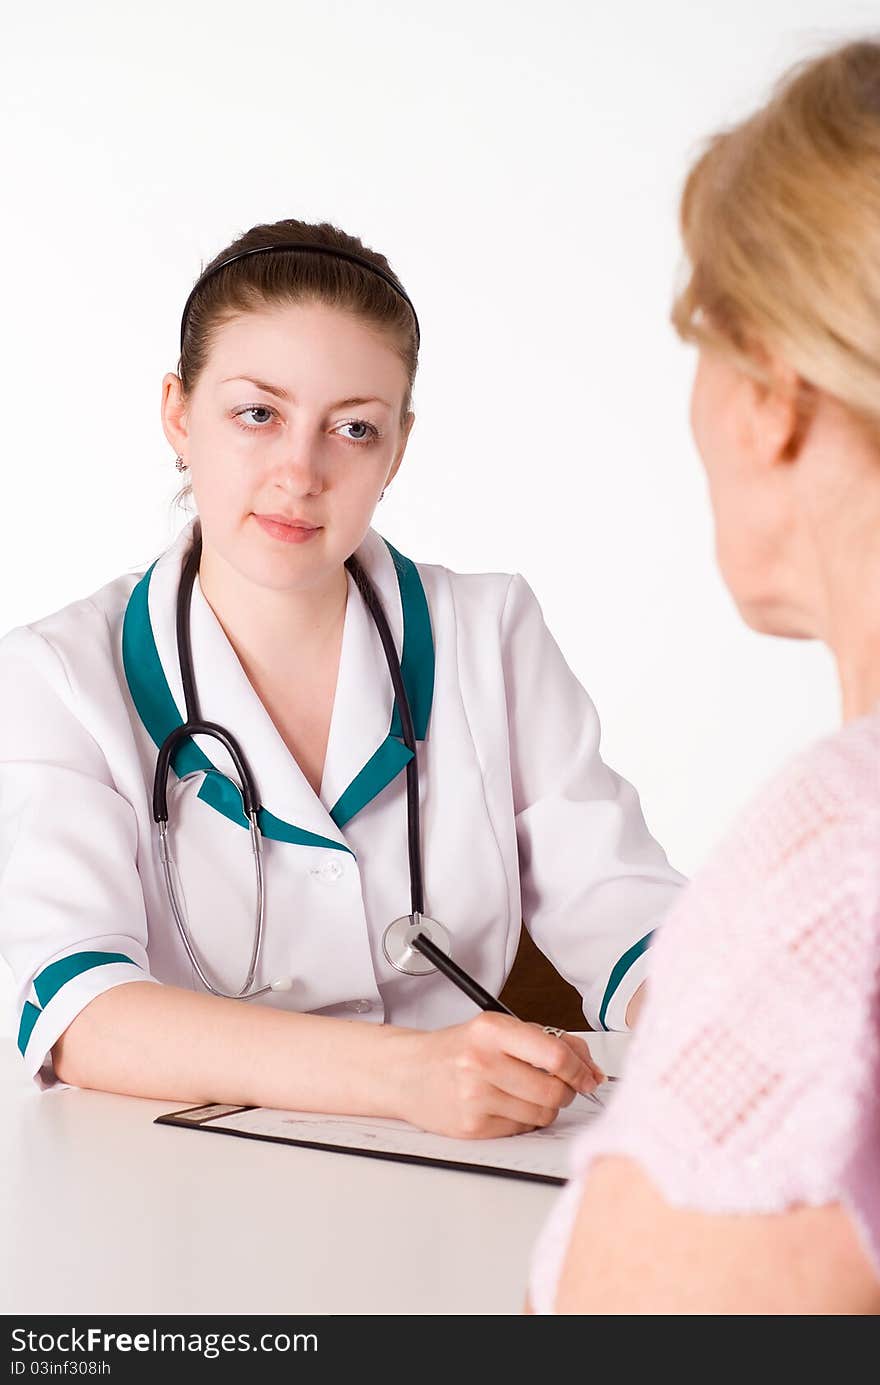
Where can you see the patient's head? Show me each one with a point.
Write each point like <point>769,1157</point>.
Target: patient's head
<point>780,218</point>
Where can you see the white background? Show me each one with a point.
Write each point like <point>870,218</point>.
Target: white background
<point>520,165</point>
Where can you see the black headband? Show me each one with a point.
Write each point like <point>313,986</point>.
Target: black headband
<point>316,249</point>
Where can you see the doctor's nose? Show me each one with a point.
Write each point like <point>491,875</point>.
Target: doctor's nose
<point>300,471</point>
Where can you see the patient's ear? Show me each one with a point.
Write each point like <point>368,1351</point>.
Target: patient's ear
<point>779,413</point>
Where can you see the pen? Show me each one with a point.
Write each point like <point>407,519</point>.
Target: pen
<point>466,983</point>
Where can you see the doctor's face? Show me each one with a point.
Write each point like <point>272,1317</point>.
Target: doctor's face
<point>296,417</point>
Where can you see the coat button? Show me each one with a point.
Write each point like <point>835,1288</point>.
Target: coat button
<point>328,870</point>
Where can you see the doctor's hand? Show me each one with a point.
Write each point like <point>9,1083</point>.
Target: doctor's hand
<point>494,1075</point>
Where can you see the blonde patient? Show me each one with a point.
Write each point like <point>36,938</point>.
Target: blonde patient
<point>736,1171</point>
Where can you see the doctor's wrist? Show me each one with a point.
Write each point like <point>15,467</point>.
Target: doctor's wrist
<point>405,1072</point>
<point>635,1005</point>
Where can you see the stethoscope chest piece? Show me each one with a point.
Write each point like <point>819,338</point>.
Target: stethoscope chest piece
<point>398,948</point>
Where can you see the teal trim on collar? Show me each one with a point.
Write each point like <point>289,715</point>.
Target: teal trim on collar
<point>159,713</point>
<point>376,774</point>
<point>619,972</point>
<point>417,664</point>
<point>417,658</point>
<point>29,1016</point>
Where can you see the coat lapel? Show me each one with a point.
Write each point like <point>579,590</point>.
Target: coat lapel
<point>365,750</point>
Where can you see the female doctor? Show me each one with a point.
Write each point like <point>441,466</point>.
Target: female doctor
<point>135,944</point>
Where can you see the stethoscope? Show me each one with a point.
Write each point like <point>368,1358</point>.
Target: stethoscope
<point>399,936</point>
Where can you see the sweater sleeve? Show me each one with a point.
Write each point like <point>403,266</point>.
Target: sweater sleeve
<point>752,1080</point>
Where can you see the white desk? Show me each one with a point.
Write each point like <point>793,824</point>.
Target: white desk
<point>103,1212</point>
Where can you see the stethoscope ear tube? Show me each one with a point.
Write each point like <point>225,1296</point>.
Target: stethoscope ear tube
<point>365,587</point>
<point>193,723</point>
<point>219,733</point>
<point>160,779</point>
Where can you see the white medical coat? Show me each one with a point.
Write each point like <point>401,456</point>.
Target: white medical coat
<point>521,818</point>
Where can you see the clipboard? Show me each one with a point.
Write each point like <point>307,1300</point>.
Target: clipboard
<point>540,1156</point>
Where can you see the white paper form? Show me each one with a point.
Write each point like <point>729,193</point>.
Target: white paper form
<point>534,1152</point>
<point>537,1154</point>
<point>542,1154</point>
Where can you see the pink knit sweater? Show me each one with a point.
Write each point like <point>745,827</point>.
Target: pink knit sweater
<point>753,1079</point>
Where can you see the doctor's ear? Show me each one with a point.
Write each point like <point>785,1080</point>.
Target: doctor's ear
<point>174,411</point>
<point>407,429</point>
<point>404,439</point>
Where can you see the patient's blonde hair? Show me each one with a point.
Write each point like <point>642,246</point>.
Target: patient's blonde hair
<point>780,218</point>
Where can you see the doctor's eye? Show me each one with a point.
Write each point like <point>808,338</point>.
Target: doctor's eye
<point>254,409</point>
<point>362,431</point>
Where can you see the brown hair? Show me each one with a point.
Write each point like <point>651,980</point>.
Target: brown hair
<point>780,218</point>
<point>293,276</point>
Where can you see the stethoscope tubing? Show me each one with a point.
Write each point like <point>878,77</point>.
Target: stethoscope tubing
<point>417,889</point>
<point>194,725</point>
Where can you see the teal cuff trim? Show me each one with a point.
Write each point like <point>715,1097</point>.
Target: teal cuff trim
<point>52,978</point>
<point>57,974</point>
<point>29,1016</point>
<point>619,972</point>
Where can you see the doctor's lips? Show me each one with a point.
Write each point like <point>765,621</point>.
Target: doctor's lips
<point>288,530</point>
